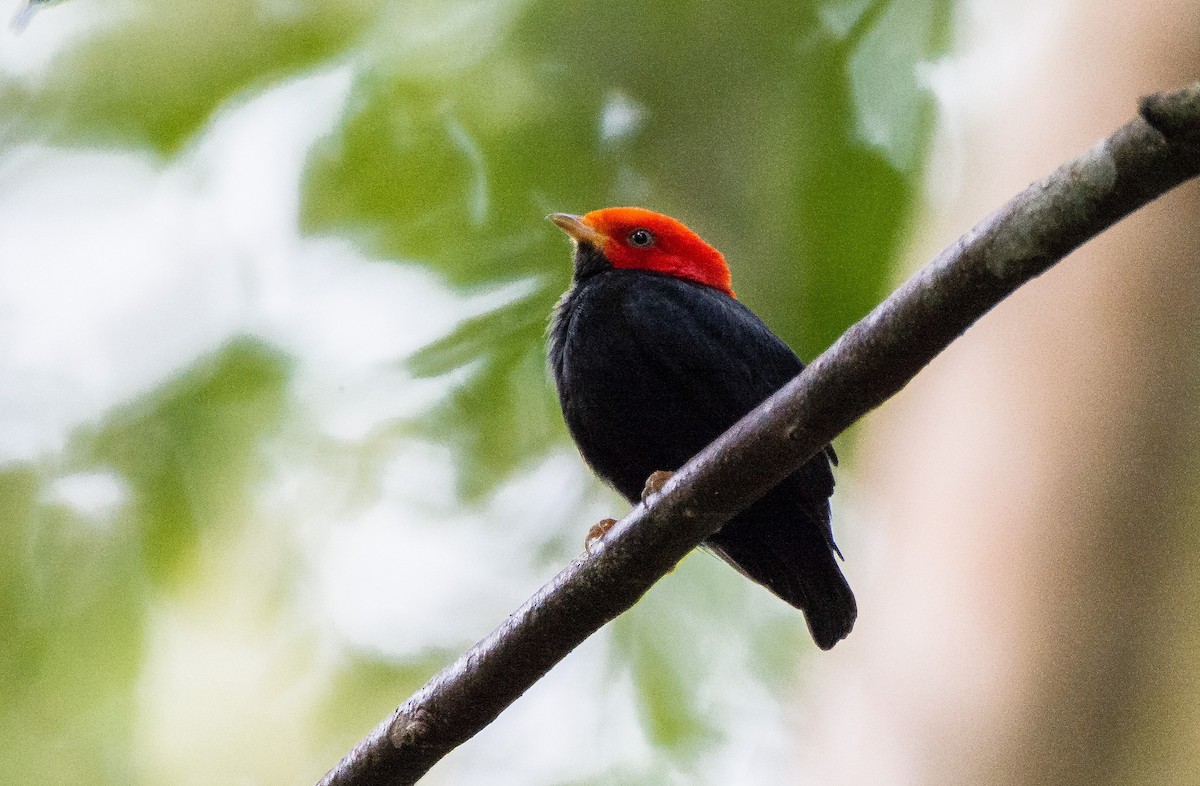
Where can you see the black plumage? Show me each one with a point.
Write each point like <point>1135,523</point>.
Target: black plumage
<point>650,368</point>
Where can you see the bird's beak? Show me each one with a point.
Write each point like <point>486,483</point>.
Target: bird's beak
<point>579,231</point>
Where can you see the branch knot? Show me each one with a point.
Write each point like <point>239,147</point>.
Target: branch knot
<point>410,727</point>
<point>1174,115</point>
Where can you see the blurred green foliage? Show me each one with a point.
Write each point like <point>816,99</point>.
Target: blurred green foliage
<point>744,126</point>
<point>789,134</point>
<point>74,590</point>
<point>69,653</point>
<point>154,74</point>
<point>191,451</point>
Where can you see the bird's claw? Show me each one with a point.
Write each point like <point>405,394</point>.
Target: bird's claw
<point>655,482</point>
<point>598,531</point>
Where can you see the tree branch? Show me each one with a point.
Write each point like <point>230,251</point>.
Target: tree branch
<point>874,359</point>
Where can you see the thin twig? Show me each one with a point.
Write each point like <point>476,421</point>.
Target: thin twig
<point>873,360</point>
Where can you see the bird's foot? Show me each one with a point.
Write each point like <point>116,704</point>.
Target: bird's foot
<point>655,482</point>
<point>598,531</point>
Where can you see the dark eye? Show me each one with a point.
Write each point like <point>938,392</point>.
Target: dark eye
<point>641,238</point>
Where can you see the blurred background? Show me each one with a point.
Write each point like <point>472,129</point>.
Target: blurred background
<point>277,440</point>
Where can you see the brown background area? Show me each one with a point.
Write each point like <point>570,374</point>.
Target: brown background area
<point>1033,614</point>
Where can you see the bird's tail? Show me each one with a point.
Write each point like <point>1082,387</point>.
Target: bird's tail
<point>798,568</point>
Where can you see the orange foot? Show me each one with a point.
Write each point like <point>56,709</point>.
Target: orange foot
<point>598,531</point>
<point>655,482</point>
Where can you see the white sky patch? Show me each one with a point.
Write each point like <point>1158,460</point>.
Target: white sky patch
<point>448,573</point>
<point>350,321</point>
<point>116,276</point>
<point>98,301</point>
<point>27,53</point>
<point>620,119</point>
<point>760,745</point>
<point>96,496</point>
<point>583,717</point>
<point>998,51</point>
<point>400,582</point>
<point>417,571</point>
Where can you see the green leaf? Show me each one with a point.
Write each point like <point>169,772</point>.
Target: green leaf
<point>154,74</point>
<point>191,450</point>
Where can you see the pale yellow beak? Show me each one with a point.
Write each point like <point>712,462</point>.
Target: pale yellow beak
<point>579,231</point>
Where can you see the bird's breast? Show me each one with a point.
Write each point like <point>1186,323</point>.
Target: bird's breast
<point>632,393</point>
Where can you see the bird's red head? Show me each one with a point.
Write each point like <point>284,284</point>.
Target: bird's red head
<point>632,238</point>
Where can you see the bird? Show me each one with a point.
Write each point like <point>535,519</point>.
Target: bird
<point>653,357</point>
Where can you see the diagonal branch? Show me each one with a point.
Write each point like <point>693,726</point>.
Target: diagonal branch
<point>873,360</point>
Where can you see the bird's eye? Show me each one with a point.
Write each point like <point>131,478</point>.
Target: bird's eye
<point>641,238</point>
